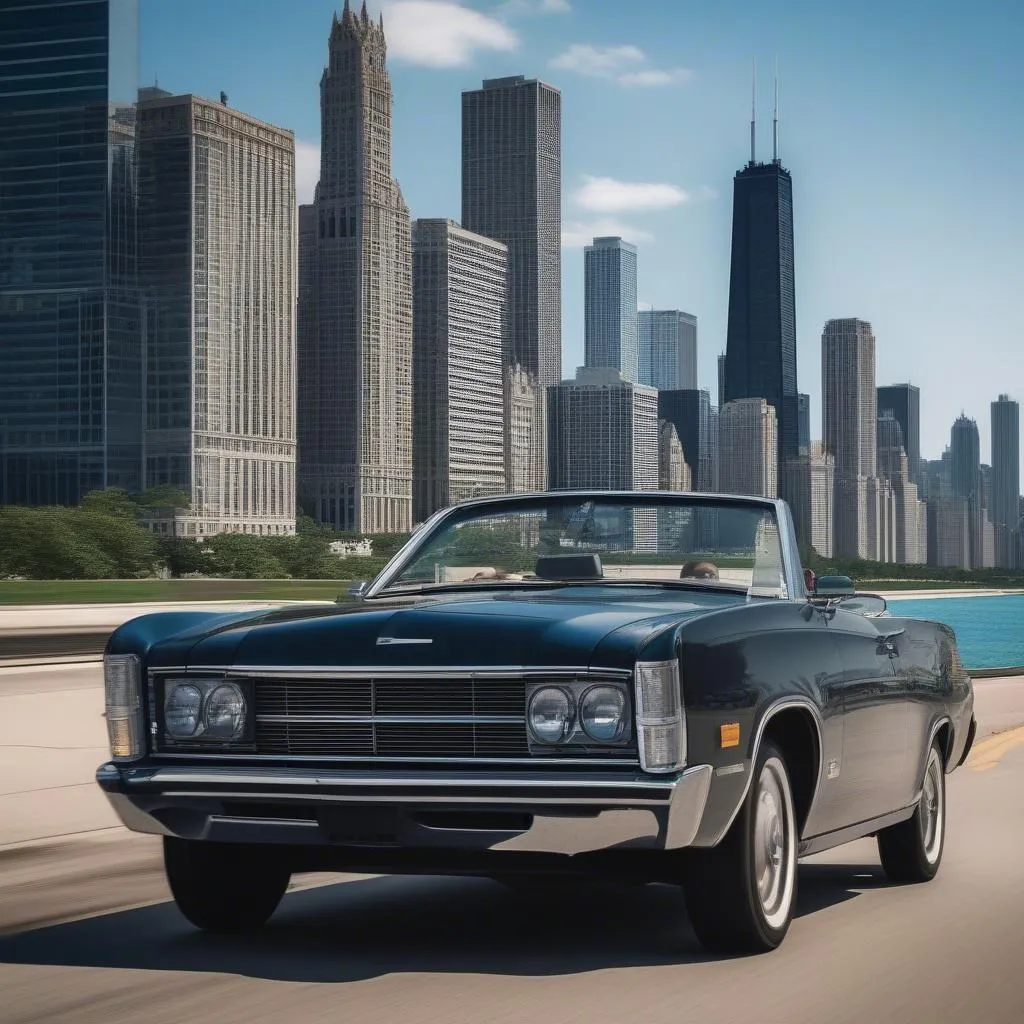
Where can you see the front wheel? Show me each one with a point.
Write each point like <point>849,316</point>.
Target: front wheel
<point>225,887</point>
<point>741,894</point>
<point>912,850</point>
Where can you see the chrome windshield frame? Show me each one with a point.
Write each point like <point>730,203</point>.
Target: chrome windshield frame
<point>496,504</point>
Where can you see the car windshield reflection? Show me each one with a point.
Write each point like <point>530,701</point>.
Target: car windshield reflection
<point>552,540</point>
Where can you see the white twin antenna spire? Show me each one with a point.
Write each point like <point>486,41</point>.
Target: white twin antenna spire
<point>753,107</point>
<point>775,118</point>
<point>753,114</point>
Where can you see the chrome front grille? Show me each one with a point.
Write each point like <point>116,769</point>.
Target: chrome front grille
<point>392,717</point>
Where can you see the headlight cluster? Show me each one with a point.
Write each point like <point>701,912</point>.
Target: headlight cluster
<point>204,711</point>
<point>578,714</point>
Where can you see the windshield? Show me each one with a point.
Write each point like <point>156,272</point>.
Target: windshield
<point>556,541</point>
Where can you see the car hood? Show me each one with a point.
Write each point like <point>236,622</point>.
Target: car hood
<point>569,627</point>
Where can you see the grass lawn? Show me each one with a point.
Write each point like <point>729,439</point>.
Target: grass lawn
<point>127,591</point>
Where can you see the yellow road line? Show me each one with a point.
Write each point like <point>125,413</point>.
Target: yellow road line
<point>989,752</point>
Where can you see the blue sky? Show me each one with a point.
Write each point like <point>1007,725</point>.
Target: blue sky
<point>899,121</point>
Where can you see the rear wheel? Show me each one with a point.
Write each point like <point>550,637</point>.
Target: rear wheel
<point>223,886</point>
<point>912,850</point>
<point>740,895</point>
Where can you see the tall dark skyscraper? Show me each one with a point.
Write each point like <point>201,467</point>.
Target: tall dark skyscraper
<point>904,402</point>
<point>761,341</point>
<point>1006,479</point>
<point>512,192</point>
<point>965,474</point>
<point>70,348</point>
<point>355,344</point>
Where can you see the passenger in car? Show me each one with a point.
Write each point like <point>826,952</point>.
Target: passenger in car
<point>699,570</point>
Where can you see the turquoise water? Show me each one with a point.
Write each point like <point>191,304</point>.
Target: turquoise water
<point>989,630</point>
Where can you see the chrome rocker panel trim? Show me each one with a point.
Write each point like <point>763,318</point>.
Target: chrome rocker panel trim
<point>566,816</point>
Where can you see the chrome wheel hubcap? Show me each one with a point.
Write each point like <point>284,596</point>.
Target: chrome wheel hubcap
<point>932,809</point>
<point>774,844</point>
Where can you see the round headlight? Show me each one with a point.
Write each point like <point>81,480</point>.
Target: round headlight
<point>550,715</point>
<point>181,710</point>
<point>603,713</point>
<point>225,712</point>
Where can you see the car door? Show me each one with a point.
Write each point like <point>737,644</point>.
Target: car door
<point>875,767</point>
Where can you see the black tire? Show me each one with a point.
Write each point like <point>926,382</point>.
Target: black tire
<point>912,850</point>
<point>225,887</point>
<point>728,910</point>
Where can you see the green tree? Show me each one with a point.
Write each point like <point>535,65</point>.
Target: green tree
<point>243,556</point>
<point>164,496</point>
<point>43,543</point>
<point>128,546</point>
<point>111,502</point>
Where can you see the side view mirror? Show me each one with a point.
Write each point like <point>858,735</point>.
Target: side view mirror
<point>358,589</point>
<point>834,586</point>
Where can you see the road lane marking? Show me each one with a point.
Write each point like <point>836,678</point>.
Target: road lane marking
<point>990,752</point>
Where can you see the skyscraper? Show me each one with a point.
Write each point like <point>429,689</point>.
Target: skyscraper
<point>721,380</point>
<point>1005,467</point>
<point>965,477</point>
<point>459,302</point>
<point>747,442</point>
<point>850,414</point>
<point>761,341</point>
<point>217,269</point>
<point>355,345</point>
<point>70,352</point>
<point>904,402</point>
<point>690,412</point>
<point>603,433</point>
<point>668,349</point>
<point>812,490</point>
<point>609,306</point>
<point>512,192</point>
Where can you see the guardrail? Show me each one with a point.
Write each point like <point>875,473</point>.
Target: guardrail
<point>88,645</point>
<point>83,644</point>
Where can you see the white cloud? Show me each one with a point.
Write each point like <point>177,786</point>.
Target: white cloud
<point>576,233</point>
<point>598,62</point>
<point>625,64</point>
<point>442,34</point>
<point>307,170</point>
<point>527,7</point>
<point>607,195</point>
<point>655,76</point>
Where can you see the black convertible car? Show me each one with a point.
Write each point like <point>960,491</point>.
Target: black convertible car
<point>538,686</point>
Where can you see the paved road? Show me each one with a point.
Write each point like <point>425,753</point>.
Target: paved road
<point>86,933</point>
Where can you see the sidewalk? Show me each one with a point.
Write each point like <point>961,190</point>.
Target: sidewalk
<point>49,617</point>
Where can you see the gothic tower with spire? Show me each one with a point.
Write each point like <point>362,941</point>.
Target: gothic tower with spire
<point>355,283</point>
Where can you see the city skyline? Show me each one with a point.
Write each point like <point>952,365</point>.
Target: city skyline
<point>885,217</point>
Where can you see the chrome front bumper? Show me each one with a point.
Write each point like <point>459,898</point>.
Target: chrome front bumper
<point>535,812</point>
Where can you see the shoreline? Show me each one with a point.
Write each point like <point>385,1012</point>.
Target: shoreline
<point>923,595</point>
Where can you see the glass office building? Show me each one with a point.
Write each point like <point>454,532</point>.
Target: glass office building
<point>70,344</point>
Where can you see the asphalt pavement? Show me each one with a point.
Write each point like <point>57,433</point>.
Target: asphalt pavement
<point>87,934</point>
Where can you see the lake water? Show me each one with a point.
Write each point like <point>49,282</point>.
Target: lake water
<point>989,630</point>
